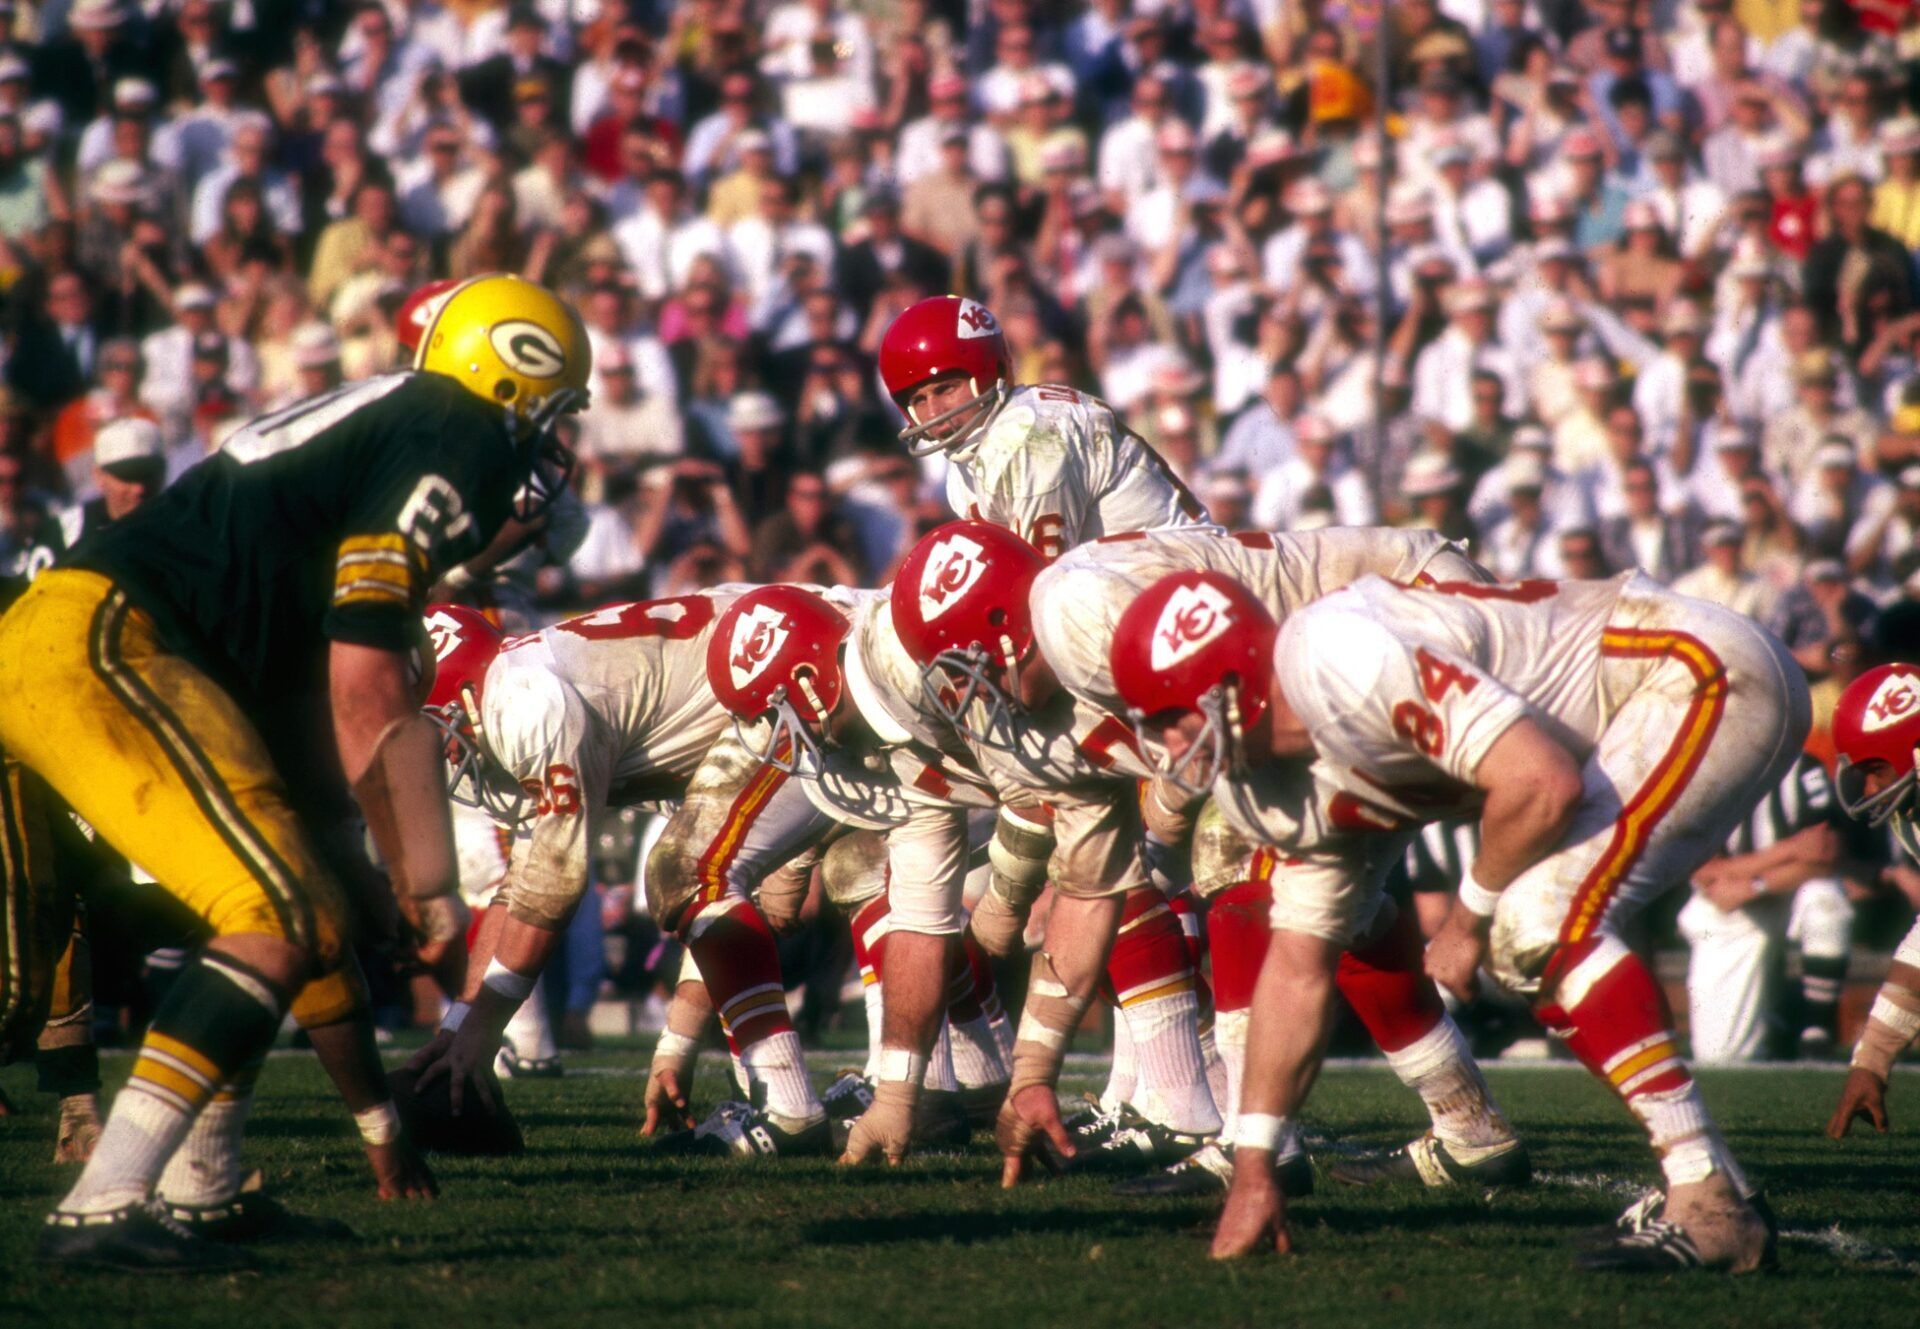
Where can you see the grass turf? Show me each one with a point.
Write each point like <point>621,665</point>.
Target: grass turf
<point>586,1228</point>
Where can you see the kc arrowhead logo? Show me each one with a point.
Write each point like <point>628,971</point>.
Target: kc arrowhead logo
<point>951,570</point>
<point>976,320</point>
<point>1896,699</point>
<point>758,636</point>
<point>1193,617</point>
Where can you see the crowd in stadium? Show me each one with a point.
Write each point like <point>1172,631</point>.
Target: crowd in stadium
<point>1646,268</point>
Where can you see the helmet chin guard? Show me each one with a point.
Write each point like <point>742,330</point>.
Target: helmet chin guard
<point>791,743</point>
<point>961,686</point>
<point>1215,750</point>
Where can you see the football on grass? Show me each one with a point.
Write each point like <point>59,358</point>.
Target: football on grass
<point>431,1122</point>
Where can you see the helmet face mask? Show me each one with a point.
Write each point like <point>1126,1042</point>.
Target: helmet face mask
<point>473,780</point>
<point>962,685</point>
<point>925,438</point>
<point>1215,751</point>
<point>793,744</point>
<point>549,473</point>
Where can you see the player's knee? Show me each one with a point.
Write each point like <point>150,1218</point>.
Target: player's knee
<point>330,998</point>
<point>853,870</point>
<point>930,913</point>
<point>671,880</point>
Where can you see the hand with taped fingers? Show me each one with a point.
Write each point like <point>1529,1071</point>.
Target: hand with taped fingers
<point>1029,1127</point>
<point>1863,1095</point>
<point>886,1128</point>
<point>666,1102</point>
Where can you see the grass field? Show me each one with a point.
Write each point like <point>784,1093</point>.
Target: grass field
<point>587,1229</point>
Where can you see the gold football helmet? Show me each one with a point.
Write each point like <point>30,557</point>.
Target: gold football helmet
<point>516,344</point>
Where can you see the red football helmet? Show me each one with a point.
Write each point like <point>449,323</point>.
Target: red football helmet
<point>417,310</point>
<point>777,650</point>
<point>946,334</point>
<point>1195,641</point>
<point>464,645</point>
<point>1876,729</point>
<point>960,607</point>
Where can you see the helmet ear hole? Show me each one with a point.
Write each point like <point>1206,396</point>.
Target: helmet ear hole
<point>504,390</point>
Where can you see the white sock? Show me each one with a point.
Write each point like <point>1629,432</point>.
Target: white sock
<point>876,1002</point>
<point>940,1064</point>
<point>1217,1083</point>
<point>1120,1076</point>
<point>777,1064</point>
<point>1230,1036</point>
<point>1690,1146</point>
<point>141,1133</point>
<point>1440,1068</point>
<point>530,1033</point>
<point>977,1060</point>
<point>1170,1077</point>
<point>205,1169</point>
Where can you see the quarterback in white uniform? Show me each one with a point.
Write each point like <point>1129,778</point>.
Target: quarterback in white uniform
<point>1610,734</point>
<point>1337,849</point>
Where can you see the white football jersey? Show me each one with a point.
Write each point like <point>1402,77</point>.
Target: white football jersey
<point>1078,601</point>
<point>1057,468</point>
<point>605,710</point>
<point>1404,691</point>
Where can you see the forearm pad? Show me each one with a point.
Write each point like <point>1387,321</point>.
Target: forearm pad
<point>1891,1026</point>
<point>1047,1026</point>
<point>1018,854</point>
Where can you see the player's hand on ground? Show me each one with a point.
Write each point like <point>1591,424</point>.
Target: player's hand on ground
<point>1455,954</point>
<point>1029,1128</point>
<point>435,1049</point>
<point>1256,1213</point>
<point>886,1129</point>
<point>666,1102</point>
<point>1863,1095</point>
<point>400,1172</point>
<point>466,1062</point>
<point>79,1129</point>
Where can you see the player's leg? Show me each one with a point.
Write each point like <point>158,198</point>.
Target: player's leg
<point>1383,980</point>
<point>1728,955</point>
<point>739,822</point>
<point>164,766</point>
<point>1822,927</point>
<point>1697,739</point>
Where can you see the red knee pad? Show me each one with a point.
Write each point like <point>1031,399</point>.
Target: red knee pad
<point>1388,988</point>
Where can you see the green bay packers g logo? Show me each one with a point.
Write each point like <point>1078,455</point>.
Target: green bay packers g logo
<point>527,348</point>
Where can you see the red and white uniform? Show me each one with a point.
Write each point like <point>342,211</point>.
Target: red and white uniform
<point>1331,883</point>
<point>1682,714</point>
<point>1057,468</point>
<point>609,709</point>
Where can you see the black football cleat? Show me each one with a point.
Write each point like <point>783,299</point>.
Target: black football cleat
<point>1092,1124</point>
<point>1428,1161</point>
<point>1209,1171</point>
<point>1134,1145</point>
<point>135,1239</point>
<point>255,1216</point>
<point>738,1130</point>
<point>1662,1246</point>
<point>848,1096</point>
<point>1651,1208</point>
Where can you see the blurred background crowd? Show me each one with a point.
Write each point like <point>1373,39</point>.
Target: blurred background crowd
<point>1587,284</point>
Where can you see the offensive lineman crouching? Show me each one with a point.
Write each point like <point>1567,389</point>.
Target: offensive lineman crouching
<point>1611,735</point>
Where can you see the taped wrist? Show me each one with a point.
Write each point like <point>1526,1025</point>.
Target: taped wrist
<point>900,1065</point>
<point>674,1052</point>
<point>1047,1025</point>
<point>1167,814</point>
<point>1018,856</point>
<point>1891,1025</point>
<point>379,1124</point>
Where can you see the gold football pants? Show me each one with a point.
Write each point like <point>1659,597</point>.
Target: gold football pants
<point>161,762</point>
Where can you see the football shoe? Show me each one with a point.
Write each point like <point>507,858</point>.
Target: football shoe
<point>1209,1171</point>
<point>1429,1161</point>
<point>740,1130</point>
<point>136,1238</point>
<point>254,1216</point>
<point>850,1094</point>
<point>510,1065</point>
<point>1661,1246</point>
<point>1133,1145</point>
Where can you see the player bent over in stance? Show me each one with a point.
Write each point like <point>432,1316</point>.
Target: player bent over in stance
<point>1876,731</point>
<point>612,709</point>
<point>166,681</point>
<point>1076,606</point>
<point>1611,735</point>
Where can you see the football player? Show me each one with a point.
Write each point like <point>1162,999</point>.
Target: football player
<point>1049,463</point>
<point>1610,734</point>
<point>207,677</point>
<point>1876,731</point>
<point>1075,605</point>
